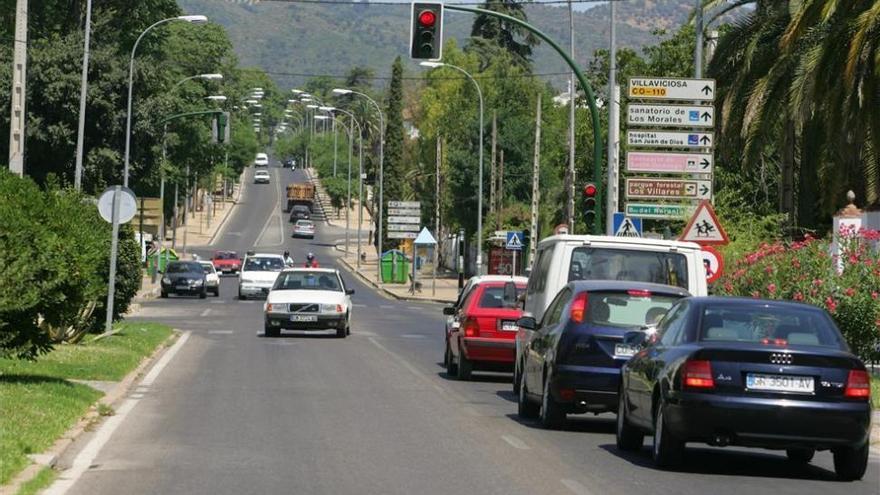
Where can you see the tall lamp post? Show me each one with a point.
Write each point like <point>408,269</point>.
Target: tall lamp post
<point>360,184</point>
<point>192,19</point>
<point>434,65</point>
<point>343,91</point>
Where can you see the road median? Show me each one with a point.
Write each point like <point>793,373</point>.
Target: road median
<point>47,403</point>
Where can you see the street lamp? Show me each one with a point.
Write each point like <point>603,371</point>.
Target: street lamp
<point>344,91</point>
<point>360,184</point>
<point>192,19</point>
<point>217,98</point>
<point>434,65</point>
<point>206,77</point>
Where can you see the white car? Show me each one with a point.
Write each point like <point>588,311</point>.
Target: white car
<point>304,228</point>
<point>262,160</point>
<point>212,278</point>
<point>258,274</point>
<point>308,299</point>
<point>262,177</point>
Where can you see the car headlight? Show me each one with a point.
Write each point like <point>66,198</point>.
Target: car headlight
<point>276,308</point>
<point>166,280</point>
<point>331,308</point>
<point>198,282</point>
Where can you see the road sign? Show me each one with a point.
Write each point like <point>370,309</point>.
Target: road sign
<point>402,235</point>
<point>704,227</point>
<point>127,205</point>
<point>656,188</point>
<point>425,238</point>
<point>671,115</point>
<point>659,212</point>
<point>625,226</point>
<point>405,204</point>
<point>403,227</point>
<point>669,163</point>
<point>669,139</point>
<point>514,241</point>
<point>415,220</point>
<point>666,88</point>
<point>714,264</point>
<point>406,212</point>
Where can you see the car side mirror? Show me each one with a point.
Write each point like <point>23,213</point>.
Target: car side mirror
<point>449,311</point>
<point>527,322</point>
<point>349,292</point>
<point>636,338</point>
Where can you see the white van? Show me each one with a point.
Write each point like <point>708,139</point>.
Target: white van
<point>262,160</point>
<point>563,258</point>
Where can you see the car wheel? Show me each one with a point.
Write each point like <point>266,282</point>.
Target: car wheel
<point>217,292</point>
<point>163,295</point>
<point>850,463</point>
<point>341,333</point>
<point>629,438</point>
<point>451,367</point>
<point>203,294</point>
<point>552,415</point>
<point>269,331</point>
<point>241,296</point>
<point>526,409</point>
<point>800,456</point>
<point>667,449</point>
<point>517,378</point>
<point>465,366</point>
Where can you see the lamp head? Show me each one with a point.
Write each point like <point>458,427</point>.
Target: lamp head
<point>193,19</point>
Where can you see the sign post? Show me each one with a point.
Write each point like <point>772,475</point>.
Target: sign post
<point>404,222</point>
<point>116,205</point>
<point>514,243</point>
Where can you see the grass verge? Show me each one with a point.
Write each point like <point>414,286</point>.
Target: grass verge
<point>45,478</point>
<point>38,402</point>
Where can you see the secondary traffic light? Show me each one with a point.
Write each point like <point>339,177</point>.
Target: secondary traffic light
<point>590,193</point>
<point>426,36</point>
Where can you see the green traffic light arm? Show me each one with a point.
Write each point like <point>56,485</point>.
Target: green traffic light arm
<point>591,98</point>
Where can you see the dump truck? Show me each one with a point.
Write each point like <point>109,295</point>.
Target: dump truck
<point>300,193</point>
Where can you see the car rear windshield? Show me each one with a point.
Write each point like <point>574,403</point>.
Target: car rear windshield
<point>493,297</point>
<point>263,265</point>
<point>762,324</point>
<point>307,281</point>
<point>630,265</point>
<point>304,223</point>
<point>226,255</point>
<point>627,309</point>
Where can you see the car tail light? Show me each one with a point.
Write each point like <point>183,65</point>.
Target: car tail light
<point>858,385</point>
<point>639,293</point>
<point>471,327</point>
<point>767,341</point>
<point>579,308</point>
<point>566,394</point>
<point>698,374</point>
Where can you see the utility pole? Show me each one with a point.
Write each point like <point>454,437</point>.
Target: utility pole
<point>437,214</point>
<point>572,94</point>
<point>698,47</point>
<point>613,194</point>
<point>83,89</point>
<point>19,90</point>
<point>500,189</point>
<point>493,179</point>
<point>536,192</point>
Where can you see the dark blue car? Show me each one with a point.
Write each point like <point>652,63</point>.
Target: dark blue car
<point>747,372</point>
<point>571,364</point>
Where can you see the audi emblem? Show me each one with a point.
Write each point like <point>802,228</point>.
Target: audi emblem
<point>780,358</point>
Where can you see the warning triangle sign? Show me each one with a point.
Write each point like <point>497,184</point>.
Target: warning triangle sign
<point>627,229</point>
<point>704,227</point>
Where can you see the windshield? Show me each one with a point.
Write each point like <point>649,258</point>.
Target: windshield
<point>760,324</point>
<point>183,268</point>
<point>630,265</point>
<point>303,280</point>
<point>627,309</point>
<point>263,265</point>
<point>305,223</point>
<point>226,255</point>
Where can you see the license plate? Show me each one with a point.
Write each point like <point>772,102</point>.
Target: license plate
<point>303,318</point>
<point>780,383</point>
<point>509,326</point>
<point>624,350</point>
<point>182,287</point>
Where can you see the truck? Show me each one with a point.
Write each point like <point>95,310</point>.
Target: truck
<point>300,193</point>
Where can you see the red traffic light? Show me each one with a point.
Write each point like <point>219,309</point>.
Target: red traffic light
<point>427,18</point>
<point>590,190</point>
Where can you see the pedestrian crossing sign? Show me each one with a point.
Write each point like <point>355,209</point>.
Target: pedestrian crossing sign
<point>626,226</point>
<point>514,241</point>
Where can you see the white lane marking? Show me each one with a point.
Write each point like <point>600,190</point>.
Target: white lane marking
<point>515,442</point>
<point>154,373</point>
<point>137,396</point>
<point>412,336</point>
<point>576,487</point>
<point>364,333</point>
<point>216,301</point>
<point>205,313</point>
<point>359,305</point>
<point>220,332</point>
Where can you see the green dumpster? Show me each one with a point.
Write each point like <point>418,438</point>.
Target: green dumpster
<point>162,256</point>
<point>395,267</point>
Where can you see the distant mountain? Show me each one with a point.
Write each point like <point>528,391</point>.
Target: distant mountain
<point>295,40</point>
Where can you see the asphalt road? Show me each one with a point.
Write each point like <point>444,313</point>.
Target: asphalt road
<point>236,413</point>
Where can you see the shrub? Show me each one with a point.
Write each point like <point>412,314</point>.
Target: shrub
<point>805,271</point>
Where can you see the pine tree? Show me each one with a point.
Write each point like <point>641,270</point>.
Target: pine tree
<point>394,134</point>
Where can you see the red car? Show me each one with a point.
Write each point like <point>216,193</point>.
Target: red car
<point>483,327</point>
<point>226,262</point>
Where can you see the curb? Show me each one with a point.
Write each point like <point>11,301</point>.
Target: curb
<point>385,292</point>
<point>50,457</point>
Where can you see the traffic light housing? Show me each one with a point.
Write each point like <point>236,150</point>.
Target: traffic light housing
<point>426,35</point>
<point>590,192</point>
<point>220,128</point>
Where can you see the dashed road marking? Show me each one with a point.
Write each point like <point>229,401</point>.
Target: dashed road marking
<point>137,396</point>
<point>412,336</point>
<point>515,442</point>
<point>205,313</point>
<point>217,301</point>
<point>576,487</point>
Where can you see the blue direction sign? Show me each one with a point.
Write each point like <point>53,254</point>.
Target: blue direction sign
<point>626,226</point>
<point>514,241</point>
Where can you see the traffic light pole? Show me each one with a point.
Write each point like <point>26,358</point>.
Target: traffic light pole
<point>591,98</point>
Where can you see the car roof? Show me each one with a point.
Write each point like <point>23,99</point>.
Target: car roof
<point>265,255</point>
<point>622,242</point>
<point>304,269</point>
<point>751,301</point>
<point>621,285</point>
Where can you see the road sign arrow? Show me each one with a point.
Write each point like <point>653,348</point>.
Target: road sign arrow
<point>706,116</point>
<point>707,90</point>
<point>705,140</point>
<point>704,190</point>
<point>705,164</point>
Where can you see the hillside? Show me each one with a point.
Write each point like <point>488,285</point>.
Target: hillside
<point>294,40</point>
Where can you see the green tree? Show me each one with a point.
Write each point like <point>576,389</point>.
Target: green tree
<point>395,168</point>
<point>490,33</point>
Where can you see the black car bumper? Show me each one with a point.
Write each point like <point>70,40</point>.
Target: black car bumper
<point>177,289</point>
<point>322,322</point>
<point>768,423</point>
<point>594,387</point>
